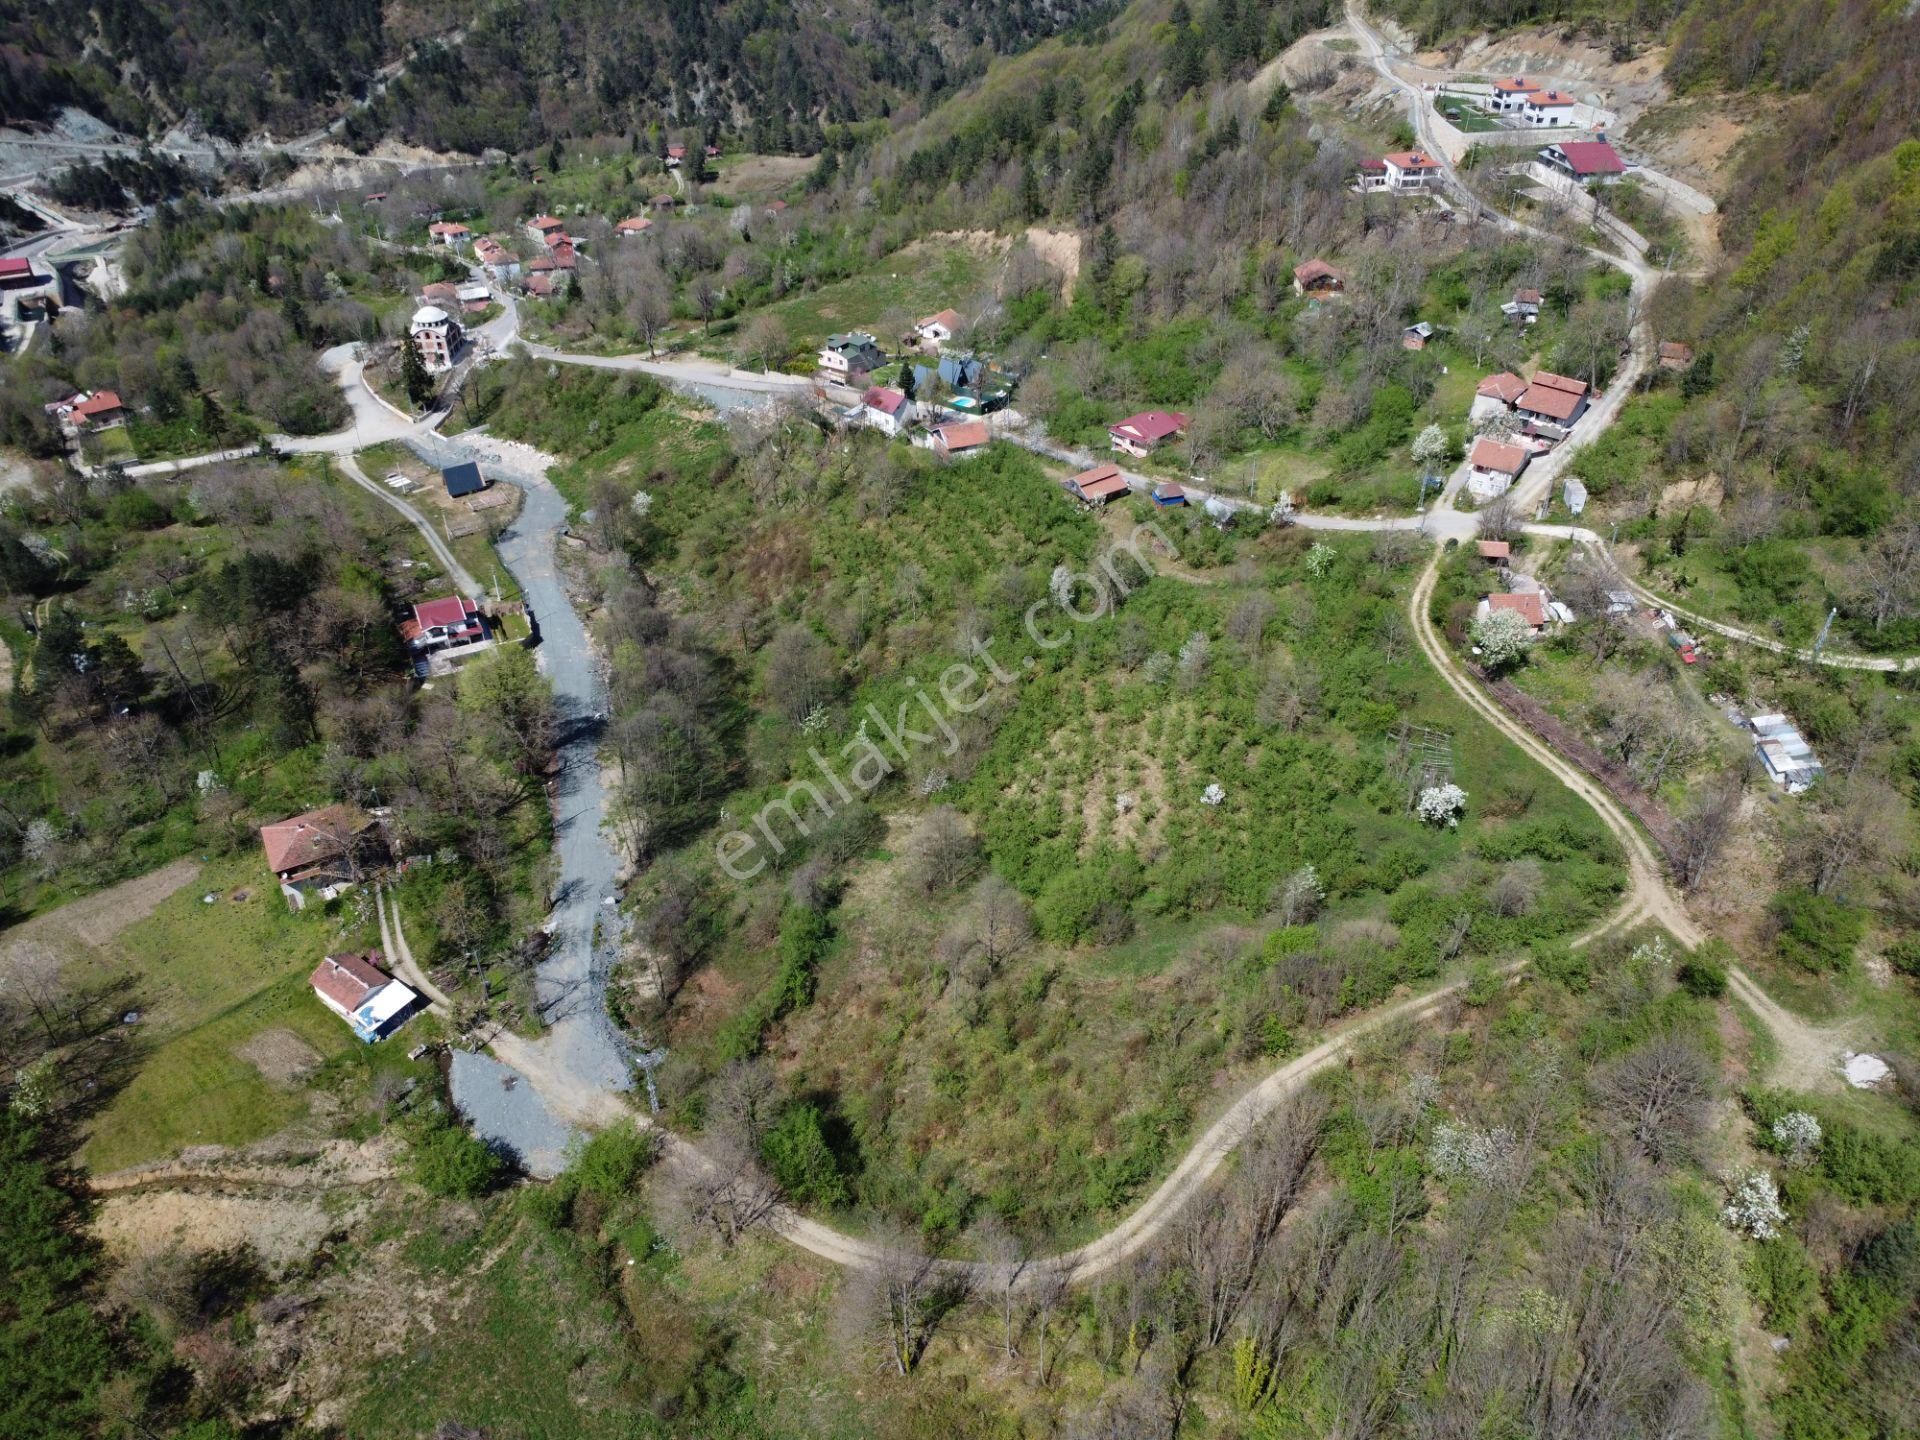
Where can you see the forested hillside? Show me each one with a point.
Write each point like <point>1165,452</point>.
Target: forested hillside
<point>515,74</point>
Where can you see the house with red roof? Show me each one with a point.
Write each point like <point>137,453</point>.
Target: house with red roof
<point>541,226</point>
<point>1675,355</point>
<point>1496,395</point>
<point>18,274</point>
<point>1510,94</point>
<point>1553,400</point>
<point>1098,485</point>
<point>356,989</point>
<point>443,624</point>
<point>323,851</point>
<point>887,410</point>
<point>1547,109</point>
<point>450,233</point>
<point>1591,162</point>
<point>1139,435</point>
<point>632,225</point>
<point>1493,466</point>
<point>937,329</point>
<point>963,437</point>
<point>675,154</point>
<point>1530,606</point>
<point>1317,277</point>
<point>501,264</point>
<point>101,410</point>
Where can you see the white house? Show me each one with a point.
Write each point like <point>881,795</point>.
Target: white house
<point>849,359</point>
<point>501,264</point>
<point>1492,467</point>
<point>961,438</point>
<point>1547,109</point>
<point>356,989</point>
<point>936,330</point>
<point>1510,95</point>
<point>1496,394</point>
<point>450,233</point>
<point>1591,162</point>
<point>885,410</point>
<point>1402,173</point>
<point>1554,400</point>
<point>436,335</point>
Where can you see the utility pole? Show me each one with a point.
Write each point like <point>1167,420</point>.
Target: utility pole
<point>1820,644</point>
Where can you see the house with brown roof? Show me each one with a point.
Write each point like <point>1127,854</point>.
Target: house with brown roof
<point>1401,173</point>
<point>101,410</point>
<point>1510,95</point>
<point>1547,109</point>
<point>936,329</point>
<point>322,851</point>
<point>1591,162</point>
<point>1530,606</point>
<point>356,989</point>
<point>662,202</point>
<point>675,154</point>
<point>1553,400</point>
<point>1493,466</point>
<point>1496,552</point>
<point>541,226</point>
<point>1098,485</point>
<point>1523,308</point>
<point>1317,277</point>
<point>450,233</point>
<point>962,437</point>
<point>632,225</point>
<point>1496,395</point>
<point>1675,355</point>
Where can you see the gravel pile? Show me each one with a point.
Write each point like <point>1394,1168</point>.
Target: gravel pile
<point>501,1106</point>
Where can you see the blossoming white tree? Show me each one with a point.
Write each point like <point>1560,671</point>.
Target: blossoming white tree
<point>1502,638</point>
<point>1755,1209</point>
<point>1798,1135</point>
<point>1441,804</point>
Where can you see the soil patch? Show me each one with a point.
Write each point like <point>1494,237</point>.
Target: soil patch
<point>280,1056</point>
<point>283,1229</point>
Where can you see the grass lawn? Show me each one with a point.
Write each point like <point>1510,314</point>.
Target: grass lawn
<point>1263,474</point>
<point>210,978</point>
<point>1467,117</point>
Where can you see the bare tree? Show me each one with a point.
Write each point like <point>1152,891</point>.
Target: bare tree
<point>1854,825</point>
<point>897,1300</point>
<point>1498,520</point>
<point>1010,1259</point>
<point>744,1099</point>
<point>1701,835</point>
<point>730,1193</point>
<point>1660,1094</point>
<point>944,849</point>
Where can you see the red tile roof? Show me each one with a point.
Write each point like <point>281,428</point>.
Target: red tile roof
<point>1492,455</point>
<point>633,225</point>
<point>887,402</point>
<point>101,402</point>
<point>1547,401</point>
<point>1592,157</point>
<point>307,839</point>
<point>677,151</point>
<point>1150,425</point>
<point>1504,386</point>
<point>1549,99</point>
<point>1526,297</point>
<point>349,979</point>
<point>448,227</point>
<point>776,205</point>
<point>1412,160</point>
<point>539,285</point>
<point>1513,84</point>
<point>948,318</point>
<point>1103,482</point>
<point>544,223</point>
<point>1560,382</point>
<point>1495,550</point>
<point>453,610</point>
<point>1312,270</point>
<point>1529,607</point>
<point>964,435</point>
<point>1675,350</point>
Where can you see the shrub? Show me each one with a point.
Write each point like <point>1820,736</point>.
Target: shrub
<point>610,1163</point>
<point>455,1165</point>
<point>1702,977</point>
<point>1782,1281</point>
<point>1815,932</point>
<point>1755,1208</point>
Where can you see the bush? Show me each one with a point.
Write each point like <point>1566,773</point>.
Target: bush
<point>1815,932</point>
<point>455,1165</point>
<point>1702,977</point>
<point>610,1163</point>
<point>797,1153</point>
<point>1782,1281</point>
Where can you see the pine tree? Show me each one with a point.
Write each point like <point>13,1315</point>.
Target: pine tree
<point>906,379</point>
<point>413,373</point>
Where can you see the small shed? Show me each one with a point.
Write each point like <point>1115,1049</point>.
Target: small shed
<point>1575,494</point>
<point>1496,552</point>
<point>1167,494</point>
<point>1416,336</point>
<point>1098,485</point>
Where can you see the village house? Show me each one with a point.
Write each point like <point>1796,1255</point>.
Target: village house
<point>538,287</point>
<point>1510,95</point>
<point>1554,401</point>
<point>541,226</point>
<point>1167,494</point>
<point>445,624</point>
<point>632,225</point>
<point>501,264</point>
<point>1523,308</point>
<point>1139,435</point>
<point>961,438</point>
<point>1530,606</point>
<point>450,233</point>
<point>936,330</point>
<point>436,336</point>
<point>1784,754</point>
<point>1674,355</point>
<point>356,989</point>
<point>662,202</point>
<point>323,851</point>
<point>1098,485</point>
<point>90,414</point>
<point>1416,336</point>
<point>1401,173</point>
<point>1496,395</point>
<point>1591,162</point>
<point>440,292</point>
<point>1547,109</point>
<point>1317,277</point>
<point>965,382</point>
<point>473,297</point>
<point>463,479</point>
<point>885,410</point>
<point>1496,553</point>
<point>1493,466</point>
<point>675,154</point>
<point>19,274</point>
<point>849,359</point>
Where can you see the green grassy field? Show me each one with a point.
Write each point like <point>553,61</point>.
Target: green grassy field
<point>210,978</point>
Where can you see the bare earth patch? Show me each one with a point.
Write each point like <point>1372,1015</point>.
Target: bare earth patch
<point>283,1229</point>
<point>280,1056</point>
